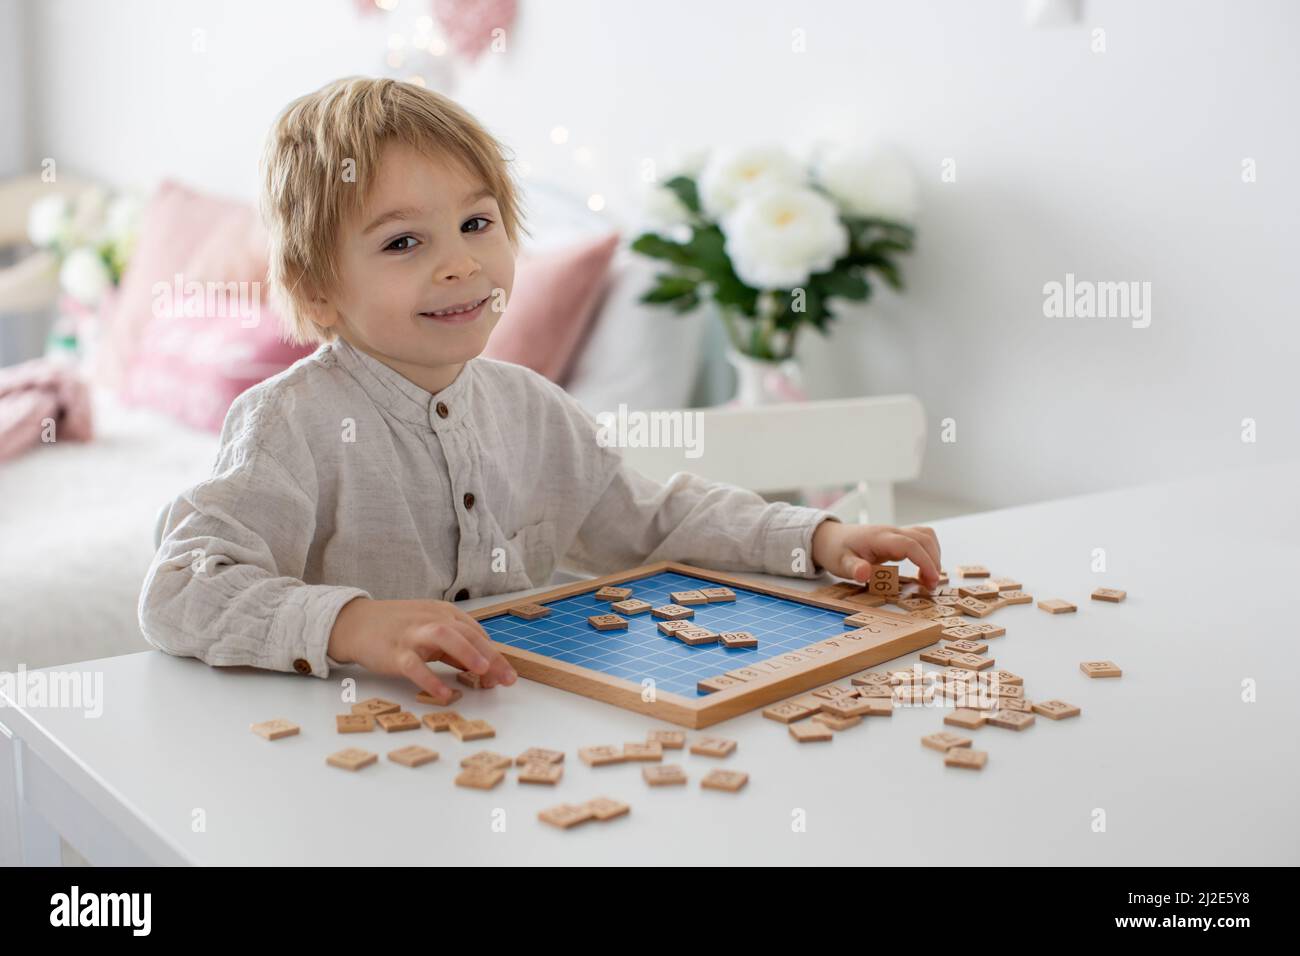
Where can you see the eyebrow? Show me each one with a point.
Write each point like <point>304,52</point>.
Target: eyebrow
<point>412,212</point>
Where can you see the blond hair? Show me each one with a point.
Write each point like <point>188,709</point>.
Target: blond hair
<point>326,143</point>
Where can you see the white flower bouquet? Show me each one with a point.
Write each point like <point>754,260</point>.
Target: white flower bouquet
<point>92,238</point>
<point>772,243</point>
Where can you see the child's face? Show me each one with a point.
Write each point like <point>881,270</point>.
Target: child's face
<point>445,248</point>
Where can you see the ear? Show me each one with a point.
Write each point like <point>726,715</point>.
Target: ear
<point>321,311</point>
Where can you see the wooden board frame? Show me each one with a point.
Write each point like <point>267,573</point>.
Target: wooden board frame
<point>837,657</point>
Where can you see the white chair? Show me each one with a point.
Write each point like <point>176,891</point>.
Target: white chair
<point>868,442</point>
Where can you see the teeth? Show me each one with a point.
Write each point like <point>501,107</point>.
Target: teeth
<point>468,308</point>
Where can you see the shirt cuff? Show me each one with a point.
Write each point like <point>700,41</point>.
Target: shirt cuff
<point>788,541</point>
<point>300,633</point>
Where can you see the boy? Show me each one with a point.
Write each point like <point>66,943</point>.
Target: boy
<point>362,490</point>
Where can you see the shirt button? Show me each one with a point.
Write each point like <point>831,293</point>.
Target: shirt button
<point>442,410</point>
<point>469,501</point>
<point>462,595</point>
<point>302,666</point>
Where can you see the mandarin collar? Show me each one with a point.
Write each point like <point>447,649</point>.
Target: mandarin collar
<point>408,401</point>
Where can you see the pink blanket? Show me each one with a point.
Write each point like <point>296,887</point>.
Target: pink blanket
<point>40,391</point>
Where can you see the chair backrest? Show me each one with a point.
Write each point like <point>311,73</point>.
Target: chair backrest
<point>802,444</point>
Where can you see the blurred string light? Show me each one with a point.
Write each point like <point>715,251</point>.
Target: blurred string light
<point>386,4</point>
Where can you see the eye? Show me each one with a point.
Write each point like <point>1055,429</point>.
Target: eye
<point>394,247</point>
<point>483,219</point>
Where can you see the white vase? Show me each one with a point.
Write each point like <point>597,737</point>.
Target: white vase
<point>763,382</point>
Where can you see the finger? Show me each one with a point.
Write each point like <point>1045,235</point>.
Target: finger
<point>855,568</point>
<point>901,546</point>
<point>417,672</point>
<point>499,668</point>
<point>927,539</point>
<point>443,640</point>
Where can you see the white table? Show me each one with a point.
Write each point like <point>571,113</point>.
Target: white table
<point>1184,770</point>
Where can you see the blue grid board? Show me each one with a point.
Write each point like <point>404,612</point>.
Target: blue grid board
<point>642,651</point>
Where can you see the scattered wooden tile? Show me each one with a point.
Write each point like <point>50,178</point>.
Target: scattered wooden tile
<point>277,728</point>
<point>729,780</point>
<point>631,607</point>
<point>1111,595</point>
<point>972,571</point>
<point>610,593</point>
<point>787,712</point>
<point>486,760</point>
<point>836,690</point>
<point>836,722</point>
<point>871,677</point>
<point>566,815</point>
<point>944,741</point>
<point>973,607</point>
<point>544,774</point>
<point>1101,669</point>
<point>374,706</point>
<point>1007,584</point>
<point>351,759</point>
<point>1017,597</point>
<point>913,695</point>
<point>937,613</point>
<point>695,636</point>
<point>529,612</point>
<point>915,603</point>
<point>472,730</point>
<point>539,755</point>
<point>479,779</point>
<point>424,697</point>
<point>470,679</point>
<point>965,717</point>
<point>718,595</point>
<point>713,747</point>
<point>959,630</point>
<point>1001,690</point>
<point>861,619</point>
<point>1002,677</point>
<point>688,598</point>
<point>883,581</point>
<point>1011,719</point>
<point>354,723</point>
<point>986,631</point>
<point>664,774</point>
<point>607,622</point>
<point>1056,606</point>
<point>604,808</point>
<point>971,662</point>
<point>982,591</point>
<point>939,655</point>
<point>737,639</point>
<point>392,723</point>
<point>671,628</point>
<point>667,739</point>
<point>885,691</point>
<point>874,707</point>
<point>967,647</point>
<point>413,756</point>
<point>672,612</point>
<point>810,732</point>
<point>1015,703</point>
<point>965,758</point>
<point>600,756</point>
<point>643,751</point>
<point>1056,709</point>
<point>439,721</point>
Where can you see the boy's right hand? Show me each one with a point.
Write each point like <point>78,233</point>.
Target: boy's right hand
<point>400,637</point>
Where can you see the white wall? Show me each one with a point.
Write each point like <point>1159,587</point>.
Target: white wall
<point>1122,165</point>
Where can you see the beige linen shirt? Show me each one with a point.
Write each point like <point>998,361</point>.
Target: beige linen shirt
<point>340,478</point>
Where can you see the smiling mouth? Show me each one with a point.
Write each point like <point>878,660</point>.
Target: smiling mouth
<point>456,309</point>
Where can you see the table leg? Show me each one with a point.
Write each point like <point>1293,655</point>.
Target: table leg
<point>26,839</point>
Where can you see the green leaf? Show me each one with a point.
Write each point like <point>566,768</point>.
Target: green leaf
<point>657,247</point>
<point>845,284</point>
<point>686,191</point>
<point>669,287</point>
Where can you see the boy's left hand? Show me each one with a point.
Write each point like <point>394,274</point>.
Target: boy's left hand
<point>850,550</point>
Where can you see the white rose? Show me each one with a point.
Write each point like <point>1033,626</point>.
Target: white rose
<point>732,175</point>
<point>778,238</point>
<point>84,276</point>
<point>46,219</point>
<point>661,210</point>
<point>879,185</point>
<point>122,218</point>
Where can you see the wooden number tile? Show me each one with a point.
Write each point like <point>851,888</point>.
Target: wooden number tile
<point>442,720</point>
<point>884,691</point>
<point>1101,669</point>
<point>1017,597</point>
<point>972,662</point>
<point>965,758</point>
<point>470,679</point>
<point>839,690</point>
<point>967,647</point>
<point>745,674</point>
<point>1002,677</point>
<point>941,655</point>
<point>1111,595</point>
<point>672,627</point>
<point>479,778</point>
<point>835,722</point>
<point>275,729</point>
<point>738,639</point>
<point>972,571</point>
<point>915,604</point>
<point>1011,719</point>
<point>718,595</point>
<point>403,720</point>
<point>960,631</point>
<point>351,759</point>
<point>413,756</point>
<point>529,612</point>
<point>566,815</point>
<point>424,697</point>
<point>695,636</point>
<point>787,712</point>
<point>1015,703</point>
<point>688,598</point>
<point>1007,584</point>
<point>672,612</point>
<point>543,774</point>
<point>605,808</point>
<point>965,717</point>
<point>873,707</point>
<point>945,741</point>
<point>664,775</point>
<point>667,739</point>
<point>472,730</point>
<point>600,756</point>
<point>539,755</point>
<point>937,613</point>
<point>354,723</point>
<point>374,706</point>
<point>1056,606</point>
<point>1056,709</point>
<point>713,747</point>
<point>609,593</point>
<point>986,631</point>
<point>974,607</point>
<point>643,751</point>
<point>729,780</point>
<point>631,607</point>
<point>486,760</point>
<point>871,677</point>
<point>998,689</point>
<point>608,622</point>
<point>883,581</point>
<point>710,685</point>
<point>982,591</point>
<point>811,732</point>
<point>861,619</point>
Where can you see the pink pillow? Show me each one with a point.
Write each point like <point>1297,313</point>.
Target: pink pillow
<point>552,304</point>
<point>190,355</point>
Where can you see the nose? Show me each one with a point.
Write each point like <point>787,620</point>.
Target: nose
<point>458,265</point>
